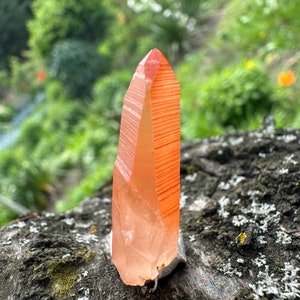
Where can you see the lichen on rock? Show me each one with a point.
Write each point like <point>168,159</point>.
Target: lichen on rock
<point>37,252</point>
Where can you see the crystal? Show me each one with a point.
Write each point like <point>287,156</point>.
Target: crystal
<point>146,180</point>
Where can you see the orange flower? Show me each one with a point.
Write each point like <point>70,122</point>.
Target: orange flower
<point>41,76</point>
<point>286,78</point>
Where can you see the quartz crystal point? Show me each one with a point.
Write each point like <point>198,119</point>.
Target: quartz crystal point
<point>146,181</point>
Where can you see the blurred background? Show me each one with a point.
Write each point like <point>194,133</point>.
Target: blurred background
<point>66,65</point>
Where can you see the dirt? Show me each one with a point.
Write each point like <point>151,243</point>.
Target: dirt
<point>240,221</point>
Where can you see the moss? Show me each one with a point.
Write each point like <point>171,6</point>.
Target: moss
<point>63,277</point>
<point>64,272</point>
<point>85,253</point>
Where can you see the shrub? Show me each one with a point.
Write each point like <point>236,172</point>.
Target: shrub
<point>56,20</point>
<point>33,186</point>
<point>108,94</point>
<point>269,25</point>
<point>13,32</point>
<point>27,77</point>
<point>228,99</point>
<point>174,24</point>
<point>77,65</point>
<point>44,133</point>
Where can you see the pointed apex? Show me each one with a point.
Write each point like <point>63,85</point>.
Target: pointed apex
<point>146,182</point>
<point>152,55</point>
<point>152,62</point>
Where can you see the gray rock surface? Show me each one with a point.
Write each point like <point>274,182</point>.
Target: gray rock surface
<point>240,221</point>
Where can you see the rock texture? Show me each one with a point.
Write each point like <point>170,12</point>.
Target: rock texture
<point>240,224</point>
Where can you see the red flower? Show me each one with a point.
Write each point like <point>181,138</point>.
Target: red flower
<point>41,76</point>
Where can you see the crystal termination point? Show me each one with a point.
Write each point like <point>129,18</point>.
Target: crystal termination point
<point>146,180</point>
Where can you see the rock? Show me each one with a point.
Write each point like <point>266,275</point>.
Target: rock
<point>239,221</point>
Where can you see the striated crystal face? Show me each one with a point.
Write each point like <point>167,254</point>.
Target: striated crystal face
<point>146,181</point>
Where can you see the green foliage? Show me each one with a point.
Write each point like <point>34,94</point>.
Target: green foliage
<point>67,141</point>
<point>264,32</point>
<point>175,28</point>
<point>228,99</point>
<point>10,165</point>
<point>33,186</point>
<point>56,20</point>
<point>270,25</point>
<point>171,26</point>
<point>67,147</point>
<point>13,32</point>
<point>26,182</point>
<point>25,76</point>
<point>56,118</point>
<point>108,95</point>
<point>6,112</point>
<point>99,170</point>
<point>193,8</point>
<point>172,36</point>
<point>4,79</point>
<point>6,215</point>
<point>77,65</point>
<point>124,50</point>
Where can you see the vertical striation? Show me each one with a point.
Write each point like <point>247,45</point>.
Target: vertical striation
<point>146,181</point>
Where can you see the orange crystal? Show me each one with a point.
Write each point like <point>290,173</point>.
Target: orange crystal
<point>146,181</point>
